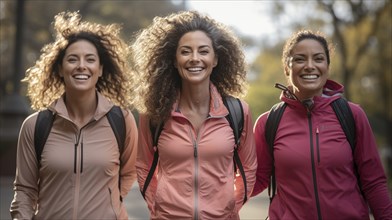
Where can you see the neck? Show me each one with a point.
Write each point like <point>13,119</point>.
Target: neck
<point>81,107</point>
<point>195,97</point>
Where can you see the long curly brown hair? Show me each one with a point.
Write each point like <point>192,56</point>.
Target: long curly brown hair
<point>44,82</point>
<point>154,50</point>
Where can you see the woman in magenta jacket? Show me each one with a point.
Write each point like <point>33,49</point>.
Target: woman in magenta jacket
<point>314,163</point>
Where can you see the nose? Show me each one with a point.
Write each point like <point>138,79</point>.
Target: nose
<point>82,65</point>
<point>309,65</point>
<point>195,57</point>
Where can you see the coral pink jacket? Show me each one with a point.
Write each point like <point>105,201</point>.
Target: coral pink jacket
<point>195,177</point>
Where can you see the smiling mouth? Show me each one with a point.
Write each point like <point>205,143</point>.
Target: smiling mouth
<point>81,77</point>
<point>310,76</point>
<point>195,69</point>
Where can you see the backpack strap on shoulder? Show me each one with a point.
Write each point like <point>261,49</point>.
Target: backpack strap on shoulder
<point>117,122</point>
<point>235,116</point>
<point>271,127</point>
<point>346,119</point>
<point>236,121</point>
<point>41,132</point>
<point>155,132</point>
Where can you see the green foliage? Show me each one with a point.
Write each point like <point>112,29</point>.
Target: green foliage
<point>262,94</point>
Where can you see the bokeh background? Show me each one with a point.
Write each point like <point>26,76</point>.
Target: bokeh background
<point>361,31</point>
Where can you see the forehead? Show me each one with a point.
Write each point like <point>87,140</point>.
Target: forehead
<point>195,37</point>
<point>81,46</point>
<point>308,46</point>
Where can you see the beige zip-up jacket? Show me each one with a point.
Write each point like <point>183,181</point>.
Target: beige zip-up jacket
<point>79,172</point>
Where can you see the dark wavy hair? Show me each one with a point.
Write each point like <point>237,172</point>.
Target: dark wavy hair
<point>154,50</point>
<point>43,79</point>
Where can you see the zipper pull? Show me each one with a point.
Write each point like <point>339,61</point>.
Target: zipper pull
<point>194,150</point>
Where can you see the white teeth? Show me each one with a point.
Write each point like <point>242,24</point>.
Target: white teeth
<point>81,77</point>
<point>309,76</point>
<point>194,69</point>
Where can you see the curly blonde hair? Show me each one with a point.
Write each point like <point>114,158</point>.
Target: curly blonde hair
<point>154,50</point>
<point>44,82</point>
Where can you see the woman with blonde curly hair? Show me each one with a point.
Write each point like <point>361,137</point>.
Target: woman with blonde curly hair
<point>79,78</point>
<point>188,64</point>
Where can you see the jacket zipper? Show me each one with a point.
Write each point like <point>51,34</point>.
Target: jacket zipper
<point>77,177</point>
<point>196,182</point>
<point>318,145</point>
<point>313,164</point>
<point>79,140</point>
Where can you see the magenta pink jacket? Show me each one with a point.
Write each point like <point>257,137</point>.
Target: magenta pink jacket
<point>195,177</point>
<point>314,164</point>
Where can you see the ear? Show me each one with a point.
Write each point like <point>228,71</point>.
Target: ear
<point>286,71</point>
<point>175,63</point>
<point>215,61</point>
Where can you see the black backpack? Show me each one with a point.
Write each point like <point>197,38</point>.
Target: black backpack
<point>343,113</point>
<point>45,122</point>
<point>236,121</point>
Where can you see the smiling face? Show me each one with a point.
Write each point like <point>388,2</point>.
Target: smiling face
<point>195,58</point>
<point>81,67</point>
<point>308,69</point>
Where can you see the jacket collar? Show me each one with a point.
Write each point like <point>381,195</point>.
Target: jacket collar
<point>217,108</point>
<point>103,107</point>
<point>331,91</point>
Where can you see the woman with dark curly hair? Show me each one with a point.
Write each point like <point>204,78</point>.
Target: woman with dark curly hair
<point>188,64</point>
<point>79,78</point>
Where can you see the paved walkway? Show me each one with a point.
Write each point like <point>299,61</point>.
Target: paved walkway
<point>254,209</point>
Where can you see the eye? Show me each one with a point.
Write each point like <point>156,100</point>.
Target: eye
<point>319,59</point>
<point>91,60</point>
<point>185,52</point>
<point>298,59</point>
<point>72,59</point>
<point>204,52</point>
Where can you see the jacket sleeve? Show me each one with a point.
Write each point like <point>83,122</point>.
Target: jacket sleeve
<point>128,157</point>
<point>247,154</point>
<point>371,173</point>
<point>24,204</point>
<point>264,160</point>
<point>144,160</point>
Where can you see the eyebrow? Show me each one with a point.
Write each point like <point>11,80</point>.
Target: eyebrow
<point>301,54</point>
<point>87,55</point>
<point>202,46</point>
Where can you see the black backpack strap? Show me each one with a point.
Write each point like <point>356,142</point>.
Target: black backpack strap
<point>117,122</point>
<point>271,127</point>
<point>346,119</point>
<point>155,132</point>
<point>236,121</point>
<point>42,129</point>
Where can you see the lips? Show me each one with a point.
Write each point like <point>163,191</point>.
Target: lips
<point>81,76</point>
<point>310,76</point>
<point>195,69</point>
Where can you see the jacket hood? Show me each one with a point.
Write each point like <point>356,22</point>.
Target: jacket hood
<point>103,106</point>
